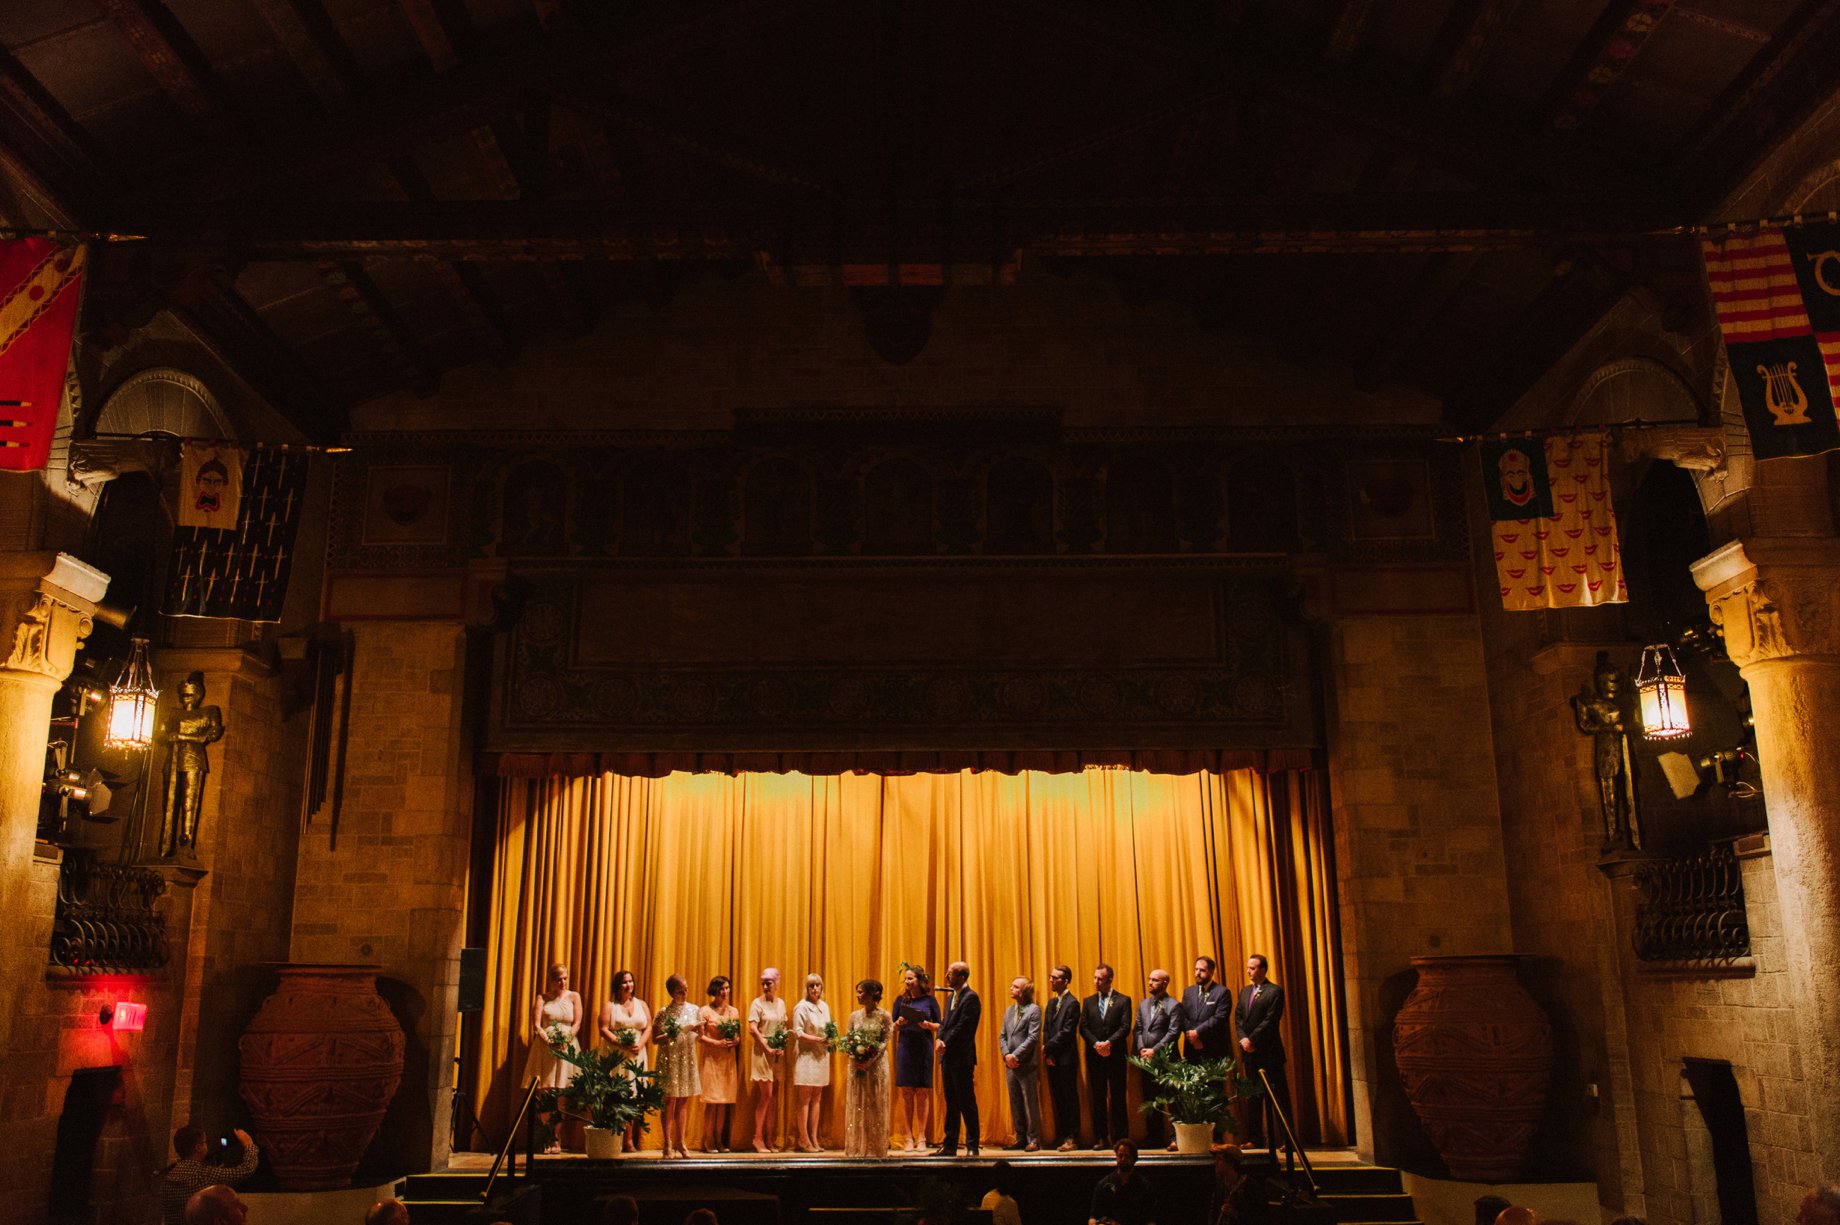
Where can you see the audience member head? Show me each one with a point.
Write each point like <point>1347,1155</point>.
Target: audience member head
<point>387,1212</point>
<point>869,991</point>
<point>1517,1216</point>
<point>676,986</point>
<point>189,1142</point>
<point>619,1210</point>
<point>1488,1207</point>
<point>701,1216</point>
<point>718,986</point>
<point>1229,1160</point>
<point>216,1205</point>
<point>1003,1178</point>
<point>1821,1206</point>
<point>1126,1152</point>
<point>625,986</point>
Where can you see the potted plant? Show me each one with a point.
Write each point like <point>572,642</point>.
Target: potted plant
<point>610,1094</point>
<point>1198,1096</point>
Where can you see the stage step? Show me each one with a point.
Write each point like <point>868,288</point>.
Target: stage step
<point>1366,1195</point>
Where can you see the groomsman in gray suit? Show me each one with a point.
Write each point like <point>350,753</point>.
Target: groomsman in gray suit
<point>1159,1023</point>
<point>1020,1043</point>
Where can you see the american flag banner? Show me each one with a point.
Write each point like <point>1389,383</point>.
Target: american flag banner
<point>1571,558</point>
<point>1778,299</point>
<point>40,283</point>
<point>242,571</point>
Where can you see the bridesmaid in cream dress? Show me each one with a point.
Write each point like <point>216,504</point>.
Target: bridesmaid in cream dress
<point>557,1010</point>
<point>627,1011</point>
<point>719,1074</point>
<point>811,1070</point>
<point>766,1015</point>
<point>677,1072</point>
<point>865,1109</point>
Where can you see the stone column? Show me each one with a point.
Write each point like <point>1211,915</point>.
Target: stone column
<point>1778,599</point>
<point>46,604</point>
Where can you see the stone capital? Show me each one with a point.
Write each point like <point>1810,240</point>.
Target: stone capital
<point>47,604</point>
<point>1774,597</point>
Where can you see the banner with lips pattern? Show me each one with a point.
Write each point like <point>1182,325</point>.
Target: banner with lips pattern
<point>1570,558</point>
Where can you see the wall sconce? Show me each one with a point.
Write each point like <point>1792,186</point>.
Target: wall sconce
<point>124,1017</point>
<point>132,699</point>
<point>1662,688</point>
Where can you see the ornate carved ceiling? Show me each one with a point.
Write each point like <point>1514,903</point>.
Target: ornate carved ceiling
<point>352,196</point>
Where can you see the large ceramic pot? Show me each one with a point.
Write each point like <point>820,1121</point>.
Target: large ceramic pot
<point>1475,1052</point>
<point>321,1061</point>
<point>1194,1137</point>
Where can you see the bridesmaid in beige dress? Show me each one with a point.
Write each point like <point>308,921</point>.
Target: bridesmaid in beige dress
<point>626,1011</point>
<point>556,1013</point>
<point>720,1077</point>
<point>766,1015</point>
<point>865,1109</point>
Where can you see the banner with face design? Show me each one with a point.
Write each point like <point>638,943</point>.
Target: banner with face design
<point>210,485</point>
<point>1515,478</point>
<point>1568,557</point>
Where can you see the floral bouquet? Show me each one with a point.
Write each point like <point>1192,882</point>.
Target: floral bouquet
<point>626,1036</point>
<point>558,1035</point>
<point>776,1041</point>
<point>668,1028</point>
<point>830,1035</point>
<point>863,1044</point>
<point>729,1029</point>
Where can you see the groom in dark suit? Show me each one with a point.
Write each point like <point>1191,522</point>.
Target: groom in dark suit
<point>956,1045</point>
<point>1255,1018</point>
<point>1105,1023</point>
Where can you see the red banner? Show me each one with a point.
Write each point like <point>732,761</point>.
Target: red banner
<point>39,286</point>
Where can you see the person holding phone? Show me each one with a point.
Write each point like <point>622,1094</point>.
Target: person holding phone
<point>195,1169</point>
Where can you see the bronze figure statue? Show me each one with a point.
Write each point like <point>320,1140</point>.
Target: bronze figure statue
<point>187,731</point>
<point>1602,714</point>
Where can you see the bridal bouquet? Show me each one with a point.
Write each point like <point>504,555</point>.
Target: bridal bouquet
<point>776,1041</point>
<point>863,1044</point>
<point>729,1029</point>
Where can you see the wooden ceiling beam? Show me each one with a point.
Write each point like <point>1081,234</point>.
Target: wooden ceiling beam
<point>1464,43</point>
<point>1617,37</point>
<point>377,316</point>
<point>175,62</point>
<point>211,306</point>
<point>1775,93</point>
<point>433,32</point>
<point>305,32</point>
<point>479,90</point>
<point>1368,99</point>
<point>41,142</point>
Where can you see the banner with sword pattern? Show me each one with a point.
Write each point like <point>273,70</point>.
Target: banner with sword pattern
<point>240,571</point>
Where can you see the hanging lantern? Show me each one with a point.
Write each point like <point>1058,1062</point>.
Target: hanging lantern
<point>132,699</point>
<point>1662,689</point>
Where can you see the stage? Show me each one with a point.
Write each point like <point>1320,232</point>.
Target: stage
<point>789,1189</point>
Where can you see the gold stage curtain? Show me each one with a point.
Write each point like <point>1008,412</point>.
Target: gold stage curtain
<point>849,875</point>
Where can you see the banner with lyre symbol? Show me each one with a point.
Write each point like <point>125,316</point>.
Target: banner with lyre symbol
<point>242,571</point>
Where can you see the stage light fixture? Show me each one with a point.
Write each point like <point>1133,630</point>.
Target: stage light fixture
<point>132,700</point>
<point>1662,689</point>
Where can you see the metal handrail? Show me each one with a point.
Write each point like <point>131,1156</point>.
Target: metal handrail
<point>504,1152</point>
<point>1295,1150</point>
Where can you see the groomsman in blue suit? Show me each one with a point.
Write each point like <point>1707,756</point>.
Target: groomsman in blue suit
<point>1207,1016</point>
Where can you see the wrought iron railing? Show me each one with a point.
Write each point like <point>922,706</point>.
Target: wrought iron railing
<point>1692,910</point>
<point>109,919</point>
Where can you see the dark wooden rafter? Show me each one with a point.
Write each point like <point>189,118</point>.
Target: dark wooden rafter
<point>1622,29</point>
<point>307,35</point>
<point>465,281</point>
<point>479,90</point>
<point>42,143</point>
<point>1464,43</point>
<point>210,304</point>
<point>657,123</point>
<point>438,29</point>
<point>1774,93</point>
<point>373,311</point>
<point>175,62</point>
<point>1348,28</point>
<point>1369,101</point>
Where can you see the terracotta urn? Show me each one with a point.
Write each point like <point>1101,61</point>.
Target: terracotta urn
<point>1475,1053</point>
<point>321,1061</point>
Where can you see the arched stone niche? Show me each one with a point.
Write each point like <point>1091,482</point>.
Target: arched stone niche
<point>163,399</point>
